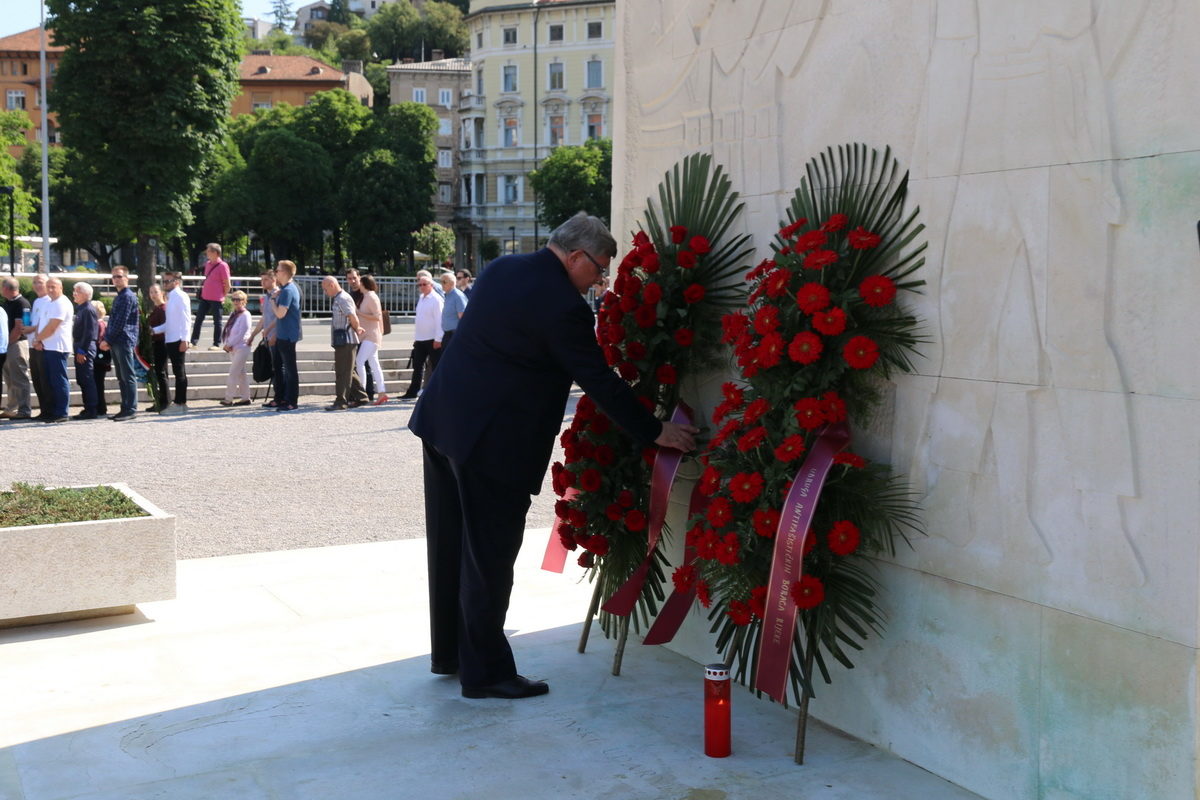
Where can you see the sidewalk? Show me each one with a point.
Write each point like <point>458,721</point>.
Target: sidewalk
<point>304,674</point>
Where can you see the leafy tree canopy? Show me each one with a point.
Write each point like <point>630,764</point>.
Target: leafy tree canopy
<point>281,12</point>
<point>354,45</point>
<point>381,206</point>
<point>437,241</point>
<point>407,129</point>
<point>291,181</point>
<point>574,179</point>
<point>324,32</point>
<point>245,129</point>
<point>13,125</point>
<point>393,29</point>
<point>333,120</point>
<point>338,12</point>
<point>443,28</point>
<point>376,74</point>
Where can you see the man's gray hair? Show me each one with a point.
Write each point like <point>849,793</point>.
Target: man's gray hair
<point>12,284</point>
<point>86,289</point>
<point>584,232</point>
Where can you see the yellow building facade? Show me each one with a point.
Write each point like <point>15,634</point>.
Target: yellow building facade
<point>542,76</point>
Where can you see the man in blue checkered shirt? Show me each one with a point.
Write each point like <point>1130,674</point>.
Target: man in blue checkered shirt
<point>120,338</point>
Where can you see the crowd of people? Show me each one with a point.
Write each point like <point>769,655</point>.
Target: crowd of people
<point>39,339</point>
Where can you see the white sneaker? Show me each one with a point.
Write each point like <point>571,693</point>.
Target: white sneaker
<point>216,348</point>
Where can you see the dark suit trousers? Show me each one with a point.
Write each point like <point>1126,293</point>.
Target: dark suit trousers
<point>37,374</point>
<point>474,525</point>
<point>422,350</point>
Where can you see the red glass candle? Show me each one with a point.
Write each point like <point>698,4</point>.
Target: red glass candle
<point>716,711</point>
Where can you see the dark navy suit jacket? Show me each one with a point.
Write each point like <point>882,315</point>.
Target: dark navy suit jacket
<point>496,399</point>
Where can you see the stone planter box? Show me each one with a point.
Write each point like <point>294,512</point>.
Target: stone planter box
<point>86,569</point>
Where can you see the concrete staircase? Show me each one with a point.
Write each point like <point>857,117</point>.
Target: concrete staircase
<point>207,372</point>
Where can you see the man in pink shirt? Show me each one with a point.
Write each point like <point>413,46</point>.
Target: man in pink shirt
<point>212,295</point>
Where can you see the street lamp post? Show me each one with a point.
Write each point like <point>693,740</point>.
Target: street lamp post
<point>512,235</point>
<point>11,191</point>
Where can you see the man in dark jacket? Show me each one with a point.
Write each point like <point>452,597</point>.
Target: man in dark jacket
<point>488,418</point>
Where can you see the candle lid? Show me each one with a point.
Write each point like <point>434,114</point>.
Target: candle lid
<point>716,672</point>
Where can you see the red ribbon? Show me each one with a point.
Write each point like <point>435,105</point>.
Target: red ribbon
<point>675,610</point>
<point>662,478</point>
<point>779,624</point>
<point>556,554</point>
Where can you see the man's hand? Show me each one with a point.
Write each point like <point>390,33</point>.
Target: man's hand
<point>183,345</point>
<point>677,437</point>
<point>103,345</point>
<point>437,345</point>
<point>80,358</point>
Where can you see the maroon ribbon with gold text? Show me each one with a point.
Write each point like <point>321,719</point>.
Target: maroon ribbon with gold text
<point>556,553</point>
<point>662,478</point>
<point>779,622</point>
<point>675,610</point>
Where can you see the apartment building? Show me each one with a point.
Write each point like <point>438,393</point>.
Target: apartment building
<point>268,80</point>
<point>542,76</point>
<point>20,79</point>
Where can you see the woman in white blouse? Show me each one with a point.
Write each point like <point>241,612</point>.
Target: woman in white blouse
<point>235,340</point>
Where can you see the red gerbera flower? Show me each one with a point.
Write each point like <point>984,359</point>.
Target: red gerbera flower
<point>877,290</point>
<point>686,259</point>
<point>766,522</point>
<point>758,601</point>
<point>684,578</point>
<point>726,431</point>
<point>809,241</point>
<point>835,223</point>
<point>769,351</point>
<point>812,297</point>
<point>790,448</point>
<point>861,352</point>
<point>693,293</point>
<point>720,512</point>
<point>777,282</point>
<point>635,520</point>
<point>706,545</point>
<point>808,592</point>
<point>710,481</point>
<point>805,348</point>
<point>809,413</point>
<point>831,321</point>
<point>788,231</point>
<point>684,337</point>
<point>739,612</point>
<point>844,538</point>
<point>745,487</point>
<point>733,393</point>
<point>755,410</point>
<point>727,549</point>
<point>733,326</point>
<point>752,438</point>
<point>702,594</point>
<point>833,407</point>
<point>862,239</point>
<point>850,459</point>
<point>818,259</point>
<point>652,293</point>
<point>766,319</point>
<point>678,234</point>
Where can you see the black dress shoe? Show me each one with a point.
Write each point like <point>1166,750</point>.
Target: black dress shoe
<point>511,689</point>
<point>53,420</point>
<point>86,415</point>
<point>443,668</point>
<point>121,416</point>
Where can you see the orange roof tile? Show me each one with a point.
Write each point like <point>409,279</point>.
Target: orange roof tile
<point>287,68</point>
<point>29,41</point>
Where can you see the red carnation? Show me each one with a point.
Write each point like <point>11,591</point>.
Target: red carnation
<point>567,538</point>
<point>805,348</point>
<point>614,512</point>
<point>627,371</point>
<point>777,283</point>
<point>809,241</point>
<point>751,438</point>
<point>809,413</point>
<point>646,316</point>
<point>862,239</point>
<point>700,244</point>
<point>844,538</point>
<point>635,350</point>
<point>766,522</point>
<point>628,303</point>
<point>616,334</point>
<point>720,512</point>
<point>710,481</point>
<point>745,487</point>
<point>666,374</point>
<point>587,559</point>
<point>739,612</point>
<point>652,293</point>
<point>684,578</point>
<point>625,498</point>
<point>818,259</point>
<point>831,321</point>
<point>635,520</point>
<point>755,410</point>
<point>597,544</point>
<point>850,459</point>
<point>641,238</point>
<point>877,290</point>
<point>632,259</point>
<point>684,337</point>
<point>611,354</point>
<point>678,233</point>
<point>812,297</point>
<point>693,293</point>
<point>590,480</point>
<point>808,592</point>
<point>835,223</point>
<point>650,262</point>
<point>861,352</point>
<point>790,448</point>
<point>686,259</point>
<point>766,319</point>
<point>605,456</point>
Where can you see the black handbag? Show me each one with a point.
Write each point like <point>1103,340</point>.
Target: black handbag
<point>341,336</point>
<point>262,369</point>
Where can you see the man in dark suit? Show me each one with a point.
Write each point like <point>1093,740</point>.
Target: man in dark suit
<point>488,418</point>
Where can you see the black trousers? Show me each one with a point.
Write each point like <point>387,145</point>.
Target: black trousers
<point>423,350</point>
<point>37,374</point>
<point>473,525</point>
<point>159,348</point>
<point>177,354</point>
<point>208,307</point>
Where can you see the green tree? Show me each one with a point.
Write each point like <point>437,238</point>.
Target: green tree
<point>199,232</point>
<point>291,181</point>
<point>281,10</point>
<point>489,250</point>
<point>437,241</point>
<point>377,75</point>
<point>574,179</point>
<point>354,44</point>
<point>407,129</point>
<point>245,129</point>
<point>377,204</point>
<point>442,28</point>
<point>145,156</point>
<point>322,33</point>
<point>338,12</point>
<point>13,125</point>
<point>394,29</point>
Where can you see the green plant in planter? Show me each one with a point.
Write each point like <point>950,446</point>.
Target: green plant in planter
<point>28,504</point>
